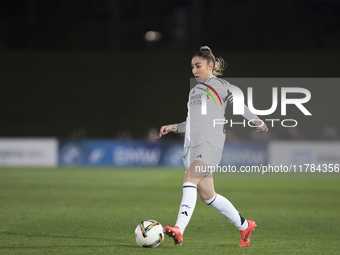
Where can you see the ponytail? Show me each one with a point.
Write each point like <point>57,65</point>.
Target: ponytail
<point>218,63</point>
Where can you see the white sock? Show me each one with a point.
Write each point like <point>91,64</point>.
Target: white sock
<point>224,207</point>
<point>187,205</point>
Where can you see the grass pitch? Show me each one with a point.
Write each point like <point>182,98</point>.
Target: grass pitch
<point>96,210</point>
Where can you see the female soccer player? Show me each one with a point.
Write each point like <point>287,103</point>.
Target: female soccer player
<point>204,143</point>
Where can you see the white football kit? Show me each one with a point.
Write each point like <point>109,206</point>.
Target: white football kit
<point>205,142</point>
<point>215,94</point>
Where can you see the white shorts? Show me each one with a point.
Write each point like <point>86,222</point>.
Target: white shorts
<point>204,152</point>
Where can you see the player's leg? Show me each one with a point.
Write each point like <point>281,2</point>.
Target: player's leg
<point>221,204</point>
<point>207,194</point>
<point>188,203</point>
<point>205,188</point>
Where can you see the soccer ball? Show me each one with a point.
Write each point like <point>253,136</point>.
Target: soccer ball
<point>149,234</point>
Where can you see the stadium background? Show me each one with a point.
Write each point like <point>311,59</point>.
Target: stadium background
<point>80,76</point>
<point>69,66</point>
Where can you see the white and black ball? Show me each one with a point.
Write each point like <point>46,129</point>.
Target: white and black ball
<point>149,234</point>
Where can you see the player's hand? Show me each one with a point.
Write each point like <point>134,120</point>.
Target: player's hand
<point>261,126</point>
<point>166,129</point>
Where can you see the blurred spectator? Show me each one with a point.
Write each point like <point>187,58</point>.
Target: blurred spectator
<point>78,133</point>
<point>124,135</point>
<point>263,136</point>
<point>294,134</point>
<point>329,133</point>
<point>151,136</point>
<point>231,137</point>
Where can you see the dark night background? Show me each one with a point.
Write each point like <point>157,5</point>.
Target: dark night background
<point>85,66</point>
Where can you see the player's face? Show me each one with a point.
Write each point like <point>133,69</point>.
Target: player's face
<point>201,69</point>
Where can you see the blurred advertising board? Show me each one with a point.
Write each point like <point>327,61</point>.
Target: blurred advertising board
<point>304,152</point>
<point>136,153</point>
<point>117,153</point>
<point>28,152</point>
<point>245,154</point>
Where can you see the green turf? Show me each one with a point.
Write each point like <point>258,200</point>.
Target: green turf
<point>95,211</point>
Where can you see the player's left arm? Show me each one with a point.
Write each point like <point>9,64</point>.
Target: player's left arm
<point>261,126</point>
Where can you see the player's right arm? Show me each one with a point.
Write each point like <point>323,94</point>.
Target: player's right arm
<point>166,129</point>
<point>178,128</point>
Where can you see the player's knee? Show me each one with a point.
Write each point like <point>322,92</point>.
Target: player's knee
<point>204,198</point>
<point>208,199</point>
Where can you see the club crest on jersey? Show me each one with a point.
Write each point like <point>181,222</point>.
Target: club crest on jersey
<point>208,87</point>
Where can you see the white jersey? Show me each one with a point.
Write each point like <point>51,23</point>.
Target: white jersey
<point>215,93</point>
